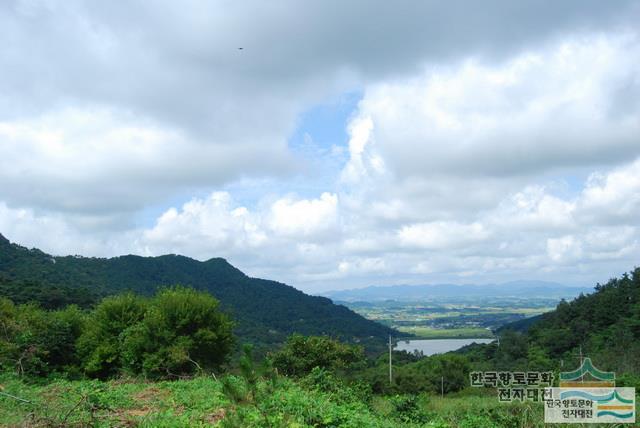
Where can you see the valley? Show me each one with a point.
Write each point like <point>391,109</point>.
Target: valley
<point>452,318</point>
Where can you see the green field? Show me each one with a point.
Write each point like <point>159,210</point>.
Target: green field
<point>453,333</point>
<point>451,318</point>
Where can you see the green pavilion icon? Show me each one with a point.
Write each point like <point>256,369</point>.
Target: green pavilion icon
<point>587,376</point>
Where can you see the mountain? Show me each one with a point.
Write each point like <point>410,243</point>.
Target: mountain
<point>603,325</point>
<point>266,311</point>
<point>521,289</point>
<point>521,326</point>
<point>606,321</point>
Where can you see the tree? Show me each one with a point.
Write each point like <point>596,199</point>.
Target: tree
<point>182,332</point>
<point>36,342</point>
<point>301,354</point>
<point>101,344</point>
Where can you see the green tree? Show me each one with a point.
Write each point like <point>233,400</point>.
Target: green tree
<point>101,344</point>
<point>36,342</point>
<point>538,359</point>
<point>182,332</point>
<point>301,354</point>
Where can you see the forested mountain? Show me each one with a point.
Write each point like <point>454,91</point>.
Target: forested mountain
<point>520,326</point>
<point>265,311</point>
<point>604,325</point>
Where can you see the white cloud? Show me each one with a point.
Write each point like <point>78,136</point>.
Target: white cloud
<point>59,235</point>
<point>530,232</point>
<point>204,227</point>
<point>109,114</point>
<point>441,235</point>
<point>361,266</point>
<point>541,110</point>
<point>304,217</point>
<point>614,197</point>
<point>286,232</point>
<point>535,209</point>
<point>562,248</point>
<point>97,160</point>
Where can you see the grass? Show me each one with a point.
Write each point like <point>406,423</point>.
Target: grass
<point>454,333</point>
<point>197,402</point>
<point>200,402</point>
<point>127,402</point>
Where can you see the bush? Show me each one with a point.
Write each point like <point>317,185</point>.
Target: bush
<point>36,342</point>
<point>429,374</point>
<point>178,332</point>
<point>408,410</point>
<point>101,344</point>
<point>301,354</point>
<point>182,332</point>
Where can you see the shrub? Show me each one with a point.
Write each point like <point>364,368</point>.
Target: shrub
<point>36,342</point>
<point>182,332</point>
<point>301,354</point>
<point>101,344</point>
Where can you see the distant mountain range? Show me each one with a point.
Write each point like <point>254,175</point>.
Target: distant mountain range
<point>265,311</point>
<point>523,289</point>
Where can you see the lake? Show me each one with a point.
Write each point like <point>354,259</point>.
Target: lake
<point>436,346</point>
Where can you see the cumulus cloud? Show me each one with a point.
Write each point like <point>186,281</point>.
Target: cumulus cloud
<point>530,230</point>
<point>615,197</point>
<point>454,139</point>
<point>219,225</point>
<point>543,109</point>
<point>101,161</point>
<point>493,140</point>
<point>304,217</point>
<point>441,235</point>
<point>204,227</point>
<point>56,234</point>
<point>534,209</point>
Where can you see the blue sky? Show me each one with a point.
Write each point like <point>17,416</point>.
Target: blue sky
<point>345,145</point>
<point>320,147</point>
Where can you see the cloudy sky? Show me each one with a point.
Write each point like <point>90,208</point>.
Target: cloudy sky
<point>346,144</point>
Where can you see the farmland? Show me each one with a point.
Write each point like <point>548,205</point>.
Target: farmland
<point>452,317</point>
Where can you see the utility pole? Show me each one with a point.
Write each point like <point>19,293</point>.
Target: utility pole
<point>580,353</point>
<point>390,366</point>
<point>580,350</point>
<point>442,386</point>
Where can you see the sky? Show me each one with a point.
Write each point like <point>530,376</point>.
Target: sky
<point>327,144</point>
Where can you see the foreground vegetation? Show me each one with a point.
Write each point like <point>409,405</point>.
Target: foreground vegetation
<point>318,399</point>
<point>168,361</point>
<point>172,360</point>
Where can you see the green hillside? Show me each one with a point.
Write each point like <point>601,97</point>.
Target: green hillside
<point>265,311</point>
<point>604,325</point>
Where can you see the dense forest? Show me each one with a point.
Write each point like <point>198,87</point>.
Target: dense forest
<point>266,312</point>
<point>604,325</point>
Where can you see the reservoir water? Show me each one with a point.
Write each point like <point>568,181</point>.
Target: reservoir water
<point>436,346</point>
